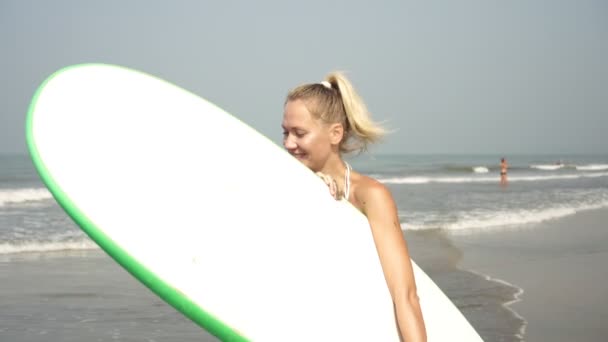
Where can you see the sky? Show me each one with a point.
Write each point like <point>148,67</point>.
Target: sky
<point>504,77</point>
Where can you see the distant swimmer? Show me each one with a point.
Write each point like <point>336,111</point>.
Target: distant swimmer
<point>503,167</point>
<point>503,171</point>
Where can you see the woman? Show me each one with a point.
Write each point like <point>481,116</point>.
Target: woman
<point>503,171</point>
<point>321,121</point>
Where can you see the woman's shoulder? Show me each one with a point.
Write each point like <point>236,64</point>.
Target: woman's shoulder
<point>370,192</point>
<point>367,185</point>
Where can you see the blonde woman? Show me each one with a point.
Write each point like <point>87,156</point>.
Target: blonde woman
<point>321,121</point>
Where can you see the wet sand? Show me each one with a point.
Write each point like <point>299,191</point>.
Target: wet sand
<point>83,296</point>
<point>561,267</point>
<point>481,300</point>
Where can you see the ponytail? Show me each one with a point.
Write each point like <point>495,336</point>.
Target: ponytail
<point>336,101</point>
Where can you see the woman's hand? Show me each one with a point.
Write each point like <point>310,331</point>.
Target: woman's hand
<point>331,184</point>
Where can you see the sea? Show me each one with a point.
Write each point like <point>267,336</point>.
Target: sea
<point>463,193</point>
<point>450,194</point>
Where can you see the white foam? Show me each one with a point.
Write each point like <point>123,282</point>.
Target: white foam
<point>517,297</point>
<point>23,195</point>
<point>36,246</point>
<point>485,179</point>
<point>542,178</point>
<point>480,169</point>
<point>500,219</point>
<point>427,180</point>
<point>497,219</point>
<point>592,167</point>
<point>547,167</point>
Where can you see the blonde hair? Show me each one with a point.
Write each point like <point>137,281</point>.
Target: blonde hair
<point>336,101</point>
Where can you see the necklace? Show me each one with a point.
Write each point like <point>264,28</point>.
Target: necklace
<point>347,181</point>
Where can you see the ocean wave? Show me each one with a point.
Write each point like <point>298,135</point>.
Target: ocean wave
<point>485,179</point>
<point>39,246</point>
<point>480,169</point>
<point>547,167</point>
<point>23,195</point>
<point>497,219</point>
<point>592,167</point>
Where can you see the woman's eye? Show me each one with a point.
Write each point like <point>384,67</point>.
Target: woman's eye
<point>300,134</point>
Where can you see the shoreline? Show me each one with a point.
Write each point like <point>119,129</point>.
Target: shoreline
<point>507,305</point>
<point>482,299</point>
<point>560,267</point>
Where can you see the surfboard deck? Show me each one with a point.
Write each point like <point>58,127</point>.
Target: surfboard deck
<point>212,216</point>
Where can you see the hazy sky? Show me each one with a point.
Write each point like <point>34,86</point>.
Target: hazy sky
<point>483,76</point>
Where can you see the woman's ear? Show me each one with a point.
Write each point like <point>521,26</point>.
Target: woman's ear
<point>336,133</point>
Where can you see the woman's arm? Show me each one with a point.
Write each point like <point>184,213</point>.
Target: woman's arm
<point>378,205</point>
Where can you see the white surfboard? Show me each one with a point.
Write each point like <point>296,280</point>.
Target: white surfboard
<point>212,216</point>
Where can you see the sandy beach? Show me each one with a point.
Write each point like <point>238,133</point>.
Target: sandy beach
<point>83,296</point>
<point>560,266</point>
<point>482,301</point>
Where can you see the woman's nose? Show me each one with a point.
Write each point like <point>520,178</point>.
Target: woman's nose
<point>289,142</point>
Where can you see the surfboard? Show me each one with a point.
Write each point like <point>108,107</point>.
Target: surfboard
<point>212,216</point>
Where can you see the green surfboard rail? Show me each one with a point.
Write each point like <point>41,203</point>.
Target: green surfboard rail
<point>157,285</point>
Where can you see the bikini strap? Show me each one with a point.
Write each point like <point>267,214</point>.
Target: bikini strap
<point>347,181</point>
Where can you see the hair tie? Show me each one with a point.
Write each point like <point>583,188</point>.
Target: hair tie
<point>326,84</point>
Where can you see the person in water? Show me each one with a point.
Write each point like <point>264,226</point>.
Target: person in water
<point>321,122</point>
<point>503,171</point>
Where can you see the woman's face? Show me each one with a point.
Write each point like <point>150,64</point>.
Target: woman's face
<point>305,137</point>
